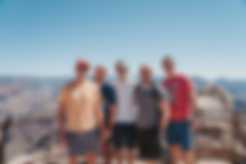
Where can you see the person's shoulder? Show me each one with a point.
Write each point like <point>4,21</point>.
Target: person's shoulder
<point>107,85</point>
<point>68,86</point>
<point>183,77</point>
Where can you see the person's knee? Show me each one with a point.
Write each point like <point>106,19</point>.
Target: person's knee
<point>72,160</point>
<point>189,157</point>
<point>90,158</point>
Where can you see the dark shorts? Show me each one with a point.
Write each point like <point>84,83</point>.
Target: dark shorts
<point>180,133</point>
<point>149,143</point>
<point>124,136</point>
<point>83,143</point>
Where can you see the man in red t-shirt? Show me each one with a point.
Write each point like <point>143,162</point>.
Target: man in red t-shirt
<point>181,99</point>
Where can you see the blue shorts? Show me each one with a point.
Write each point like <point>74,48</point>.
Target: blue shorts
<point>82,143</point>
<point>180,133</point>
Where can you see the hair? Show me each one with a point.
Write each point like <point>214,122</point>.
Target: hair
<point>120,63</point>
<point>168,58</point>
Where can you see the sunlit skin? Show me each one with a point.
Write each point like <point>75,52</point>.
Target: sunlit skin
<point>81,69</point>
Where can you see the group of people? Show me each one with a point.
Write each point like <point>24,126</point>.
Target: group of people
<point>122,120</point>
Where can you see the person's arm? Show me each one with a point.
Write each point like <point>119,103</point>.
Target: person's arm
<point>98,111</point>
<point>192,96</point>
<point>61,118</point>
<point>193,101</point>
<point>112,108</point>
<point>165,114</point>
<point>99,115</point>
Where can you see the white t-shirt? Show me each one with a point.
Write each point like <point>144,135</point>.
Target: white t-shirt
<point>126,111</point>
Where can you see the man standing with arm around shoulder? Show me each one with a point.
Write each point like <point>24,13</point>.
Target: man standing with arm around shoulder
<point>152,115</point>
<point>182,102</point>
<point>124,133</point>
<point>80,115</point>
<point>108,108</point>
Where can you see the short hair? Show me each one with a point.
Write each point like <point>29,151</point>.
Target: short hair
<point>145,67</point>
<point>82,64</point>
<point>168,59</point>
<point>121,64</point>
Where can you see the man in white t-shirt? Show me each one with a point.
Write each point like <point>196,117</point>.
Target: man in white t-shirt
<point>124,133</point>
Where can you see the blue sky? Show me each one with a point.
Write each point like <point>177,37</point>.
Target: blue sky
<point>45,37</point>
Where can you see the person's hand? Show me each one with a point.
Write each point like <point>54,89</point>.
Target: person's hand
<point>195,124</point>
<point>164,124</point>
<point>62,139</point>
<point>106,133</point>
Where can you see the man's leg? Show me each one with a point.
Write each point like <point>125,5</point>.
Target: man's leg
<point>131,142</point>
<point>107,153</point>
<point>186,143</point>
<point>188,157</point>
<point>91,158</point>
<point>119,156</point>
<point>73,159</point>
<point>130,156</point>
<point>176,154</point>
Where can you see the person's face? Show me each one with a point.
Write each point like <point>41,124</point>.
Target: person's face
<point>169,68</point>
<point>146,75</point>
<point>80,73</point>
<point>81,70</point>
<point>100,74</point>
<point>121,72</point>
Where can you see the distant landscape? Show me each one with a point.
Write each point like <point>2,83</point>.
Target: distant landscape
<point>32,103</point>
<point>37,96</point>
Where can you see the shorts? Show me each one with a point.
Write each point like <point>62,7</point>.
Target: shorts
<point>180,133</point>
<point>149,143</point>
<point>83,143</point>
<point>124,136</point>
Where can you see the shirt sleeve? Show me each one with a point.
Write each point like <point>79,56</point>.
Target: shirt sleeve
<point>112,98</point>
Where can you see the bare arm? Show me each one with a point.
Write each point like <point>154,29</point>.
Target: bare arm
<point>165,114</point>
<point>193,99</point>
<point>112,116</point>
<point>61,121</point>
<point>99,115</point>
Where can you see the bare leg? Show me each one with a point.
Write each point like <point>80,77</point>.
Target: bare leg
<point>119,155</point>
<point>176,154</point>
<point>107,154</point>
<point>90,158</point>
<point>130,156</point>
<point>188,157</point>
<point>73,160</point>
<point>151,162</point>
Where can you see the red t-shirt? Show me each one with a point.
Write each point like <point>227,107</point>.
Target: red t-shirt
<point>179,90</point>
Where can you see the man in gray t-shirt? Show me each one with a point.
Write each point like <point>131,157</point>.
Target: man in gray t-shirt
<point>149,101</point>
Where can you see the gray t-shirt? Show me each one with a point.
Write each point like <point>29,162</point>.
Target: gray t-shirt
<point>147,100</point>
